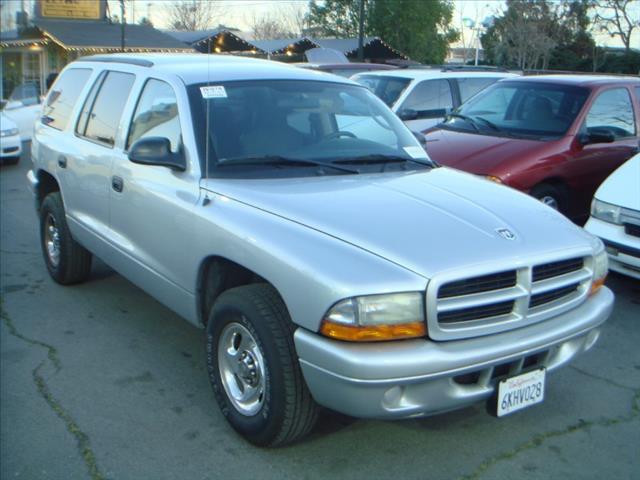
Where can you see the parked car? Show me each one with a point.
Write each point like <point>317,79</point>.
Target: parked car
<point>327,267</point>
<point>10,145</point>
<point>556,137</point>
<point>23,107</point>
<point>423,97</point>
<point>615,217</point>
<point>347,69</point>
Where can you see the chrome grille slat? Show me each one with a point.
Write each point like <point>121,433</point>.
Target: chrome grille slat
<point>476,303</point>
<point>559,282</point>
<point>480,299</point>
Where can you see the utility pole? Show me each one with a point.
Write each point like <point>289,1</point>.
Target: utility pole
<point>361,32</point>
<point>122,22</point>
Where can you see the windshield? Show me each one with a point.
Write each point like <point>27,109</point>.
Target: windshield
<point>520,109</point>
<point>299,126</point>
<point>388,89</point>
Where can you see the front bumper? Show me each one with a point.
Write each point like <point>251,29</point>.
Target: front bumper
<point>415,378</point>
<point>623,249</point>
<point>10,147</point>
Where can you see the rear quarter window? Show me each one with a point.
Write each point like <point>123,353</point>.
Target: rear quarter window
<point>63,97</point>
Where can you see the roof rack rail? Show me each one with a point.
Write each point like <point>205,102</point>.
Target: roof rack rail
<point>473,68</point>
<point>140,62</point>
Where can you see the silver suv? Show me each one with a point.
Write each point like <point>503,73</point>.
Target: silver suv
<point>296,220</point>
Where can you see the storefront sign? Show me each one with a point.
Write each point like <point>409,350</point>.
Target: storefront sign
<point>72,9</point>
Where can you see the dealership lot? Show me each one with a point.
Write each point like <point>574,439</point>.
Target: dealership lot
<point>101,381</point>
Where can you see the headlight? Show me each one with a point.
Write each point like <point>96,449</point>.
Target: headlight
<point>605,211</point>
<point>600,269</point>
<point>9,133</point>
<point>376,317</point>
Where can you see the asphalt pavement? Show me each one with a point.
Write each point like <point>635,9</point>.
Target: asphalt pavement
<point>100,381</point>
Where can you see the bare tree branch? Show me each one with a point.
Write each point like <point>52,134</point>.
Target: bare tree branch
<point>614,17</point>
<point>193,15</point>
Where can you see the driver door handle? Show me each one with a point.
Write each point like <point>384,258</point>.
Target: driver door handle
<point>62,161</point>
<point>117,183</point>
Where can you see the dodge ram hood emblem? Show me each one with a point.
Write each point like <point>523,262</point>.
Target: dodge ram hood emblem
<point>506,233</point>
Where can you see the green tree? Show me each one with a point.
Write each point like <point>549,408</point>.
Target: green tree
<point>575,46</point>
<point>419,29</point>
<point>334,18</point>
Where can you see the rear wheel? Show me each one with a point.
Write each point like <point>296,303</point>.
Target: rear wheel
<point>67,261</point>
<point>253,367</point>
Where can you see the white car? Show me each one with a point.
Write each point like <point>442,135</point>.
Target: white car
<point>422,97</point>
<point>24,107</point>
<point>10,144</point>
<point>615,217</point>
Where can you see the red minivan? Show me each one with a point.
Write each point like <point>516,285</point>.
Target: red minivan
<point>556,137</point>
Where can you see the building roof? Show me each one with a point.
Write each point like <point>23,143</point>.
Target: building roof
<point>281,45</point>
<point>100,35</point>
<point>192,37</point>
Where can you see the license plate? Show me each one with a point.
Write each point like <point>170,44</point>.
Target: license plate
<point>520,392</point>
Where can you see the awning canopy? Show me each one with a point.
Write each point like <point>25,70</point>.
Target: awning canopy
<point>215,40</point>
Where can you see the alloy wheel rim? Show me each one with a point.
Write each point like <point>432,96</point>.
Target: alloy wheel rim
<point>550,201</point>
<point>241,367</point>
<point>52,240</point>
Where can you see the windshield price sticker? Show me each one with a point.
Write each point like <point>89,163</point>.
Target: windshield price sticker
<point>520,392</point>
<point>213,91</point>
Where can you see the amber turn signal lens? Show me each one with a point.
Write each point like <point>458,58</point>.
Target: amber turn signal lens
<point>373,333</point>
<point>494,179</point>
<point>595,286</point>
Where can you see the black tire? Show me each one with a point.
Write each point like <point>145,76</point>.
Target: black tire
<point>287,411</point>
<point>73,261</point>
<point>554,197</point>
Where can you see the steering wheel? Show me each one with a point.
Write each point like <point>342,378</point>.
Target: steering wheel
<point>339,133</point>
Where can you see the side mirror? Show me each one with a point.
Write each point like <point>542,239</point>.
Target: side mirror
<point>156,151</point>
<point>420,137</point>
<point>407,114</point>
<point>597,135</point>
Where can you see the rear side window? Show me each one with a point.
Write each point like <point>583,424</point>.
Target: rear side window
<point>105,111</point>
<point>63,97</point>
<point>612,111</point>
<point>470,86</point>
<point>430,98</point>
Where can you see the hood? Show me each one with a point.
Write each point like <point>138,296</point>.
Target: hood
<point>479,154</point>
<point>426,222</point>
<point>622,187</point>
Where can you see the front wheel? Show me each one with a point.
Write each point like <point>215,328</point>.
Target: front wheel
<point>551,196</point>
<point>253,367</point>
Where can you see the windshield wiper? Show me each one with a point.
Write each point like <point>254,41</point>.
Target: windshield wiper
<point>280,160</point>
<point>466,118</point>
<point>380,158</point>
<point>491,124</point>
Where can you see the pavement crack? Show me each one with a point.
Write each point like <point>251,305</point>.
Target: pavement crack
<point>539,439</point>
<point>82,439</point>
<point>602,379</point>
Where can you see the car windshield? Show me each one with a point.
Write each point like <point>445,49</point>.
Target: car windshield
<point>292,127</point>
<point>520,109</point>
<point>388,89</point>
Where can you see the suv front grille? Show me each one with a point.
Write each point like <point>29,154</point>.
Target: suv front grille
<point>632,229</point>
<point>468,286</point>
<point>493,302</point>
